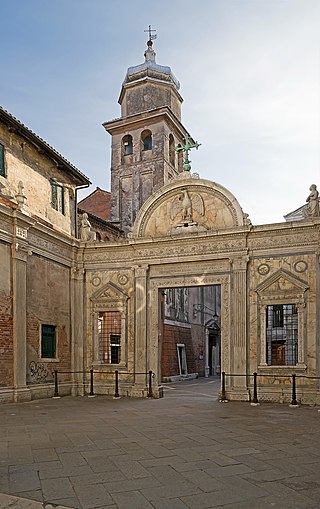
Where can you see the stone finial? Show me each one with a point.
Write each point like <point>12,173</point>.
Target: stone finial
<point>20,196</point>
<point>150,54</point>
<point>313,209</point>
<point>86,234</point>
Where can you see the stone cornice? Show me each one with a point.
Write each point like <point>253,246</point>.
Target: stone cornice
<point>133,121</point>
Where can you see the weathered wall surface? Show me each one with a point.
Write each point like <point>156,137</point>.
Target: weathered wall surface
<point>24,163</point>
<point>6,318</point>
<point>48,302</point>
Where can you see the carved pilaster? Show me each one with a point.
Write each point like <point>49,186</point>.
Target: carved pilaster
<point>239,299</point>
<point>141,340</point>
<point>77,327</point>
<point>263,334</point>
<point>301,351</point>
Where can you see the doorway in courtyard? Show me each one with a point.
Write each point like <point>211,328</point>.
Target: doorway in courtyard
<point>189,330</point>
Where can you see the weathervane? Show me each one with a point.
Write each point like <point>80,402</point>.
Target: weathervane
<point>186,148</point>
<point>151,35</point>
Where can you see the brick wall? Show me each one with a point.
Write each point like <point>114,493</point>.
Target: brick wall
<point>6,342</point>
<point>172,335</point>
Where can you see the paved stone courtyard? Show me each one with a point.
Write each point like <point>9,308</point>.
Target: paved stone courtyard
<point>185,451</point>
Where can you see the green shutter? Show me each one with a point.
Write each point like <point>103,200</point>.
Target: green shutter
<point>2,160</point>
<point>53,194</point>
<point>62,200</point>
<point>48,341</point>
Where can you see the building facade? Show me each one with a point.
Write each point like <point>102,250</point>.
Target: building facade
<point>192,287</point>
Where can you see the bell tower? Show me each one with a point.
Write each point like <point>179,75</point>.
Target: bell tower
<point>144,138</point>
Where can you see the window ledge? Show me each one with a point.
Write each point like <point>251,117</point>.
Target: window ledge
<point>108,365</point>
<point>49,359</point>
<point>296,368</point>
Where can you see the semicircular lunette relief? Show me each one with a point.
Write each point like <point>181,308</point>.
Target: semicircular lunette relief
<point>186,207</point>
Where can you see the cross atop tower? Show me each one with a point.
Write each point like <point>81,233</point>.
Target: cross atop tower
<point>151,35</point>
<point>186,148</point>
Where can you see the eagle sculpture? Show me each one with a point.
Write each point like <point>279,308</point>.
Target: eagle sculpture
<point>186,205</point>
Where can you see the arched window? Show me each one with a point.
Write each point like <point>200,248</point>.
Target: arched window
<point>146,139</point>
<point>172,151</point>
<point>127,145</point>
<point>180,158</point>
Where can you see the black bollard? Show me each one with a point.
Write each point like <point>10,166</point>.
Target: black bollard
<point>91,393</point>
<point>149,394</point>
<point>255,392</point>
<point>223,387</point>
<point>294,401</point>
<point>56,390</point>
<point>116,392</point>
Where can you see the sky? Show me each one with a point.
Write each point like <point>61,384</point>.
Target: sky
<point>249,72</point>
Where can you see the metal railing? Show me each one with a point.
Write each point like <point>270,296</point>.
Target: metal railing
<point>116,373</point>
<point>255,385</point>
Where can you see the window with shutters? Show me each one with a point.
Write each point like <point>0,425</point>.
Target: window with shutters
<point>2,168</point>
<point>48,341</point>
<point>57,196</point>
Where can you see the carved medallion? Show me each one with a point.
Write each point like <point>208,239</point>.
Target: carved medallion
<point>263,269</point>
<point>96,281</point>
<point>122,279</point>
<point>300,266</point>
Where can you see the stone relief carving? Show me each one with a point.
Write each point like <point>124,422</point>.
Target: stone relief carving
<point>85,229</point>
<point>186,205</point>
<point>312,209</point>
<point>52,247</point>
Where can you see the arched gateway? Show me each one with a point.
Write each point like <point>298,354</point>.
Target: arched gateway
<point>191,233</point>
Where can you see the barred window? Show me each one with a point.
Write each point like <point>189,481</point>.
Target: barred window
<point>48,342</point>
<point>282,335</point>
<point>109,332</point>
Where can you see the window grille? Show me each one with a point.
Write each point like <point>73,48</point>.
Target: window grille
<point>109,331</point>
<point>2,172</point>
<point>48,341</point>
<point>282,335</point>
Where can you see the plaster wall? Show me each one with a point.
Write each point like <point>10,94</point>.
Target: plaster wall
<point>48,302</point>
<point>24,163</point>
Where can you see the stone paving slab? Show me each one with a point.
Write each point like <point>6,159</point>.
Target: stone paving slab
<point>185,451</point>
